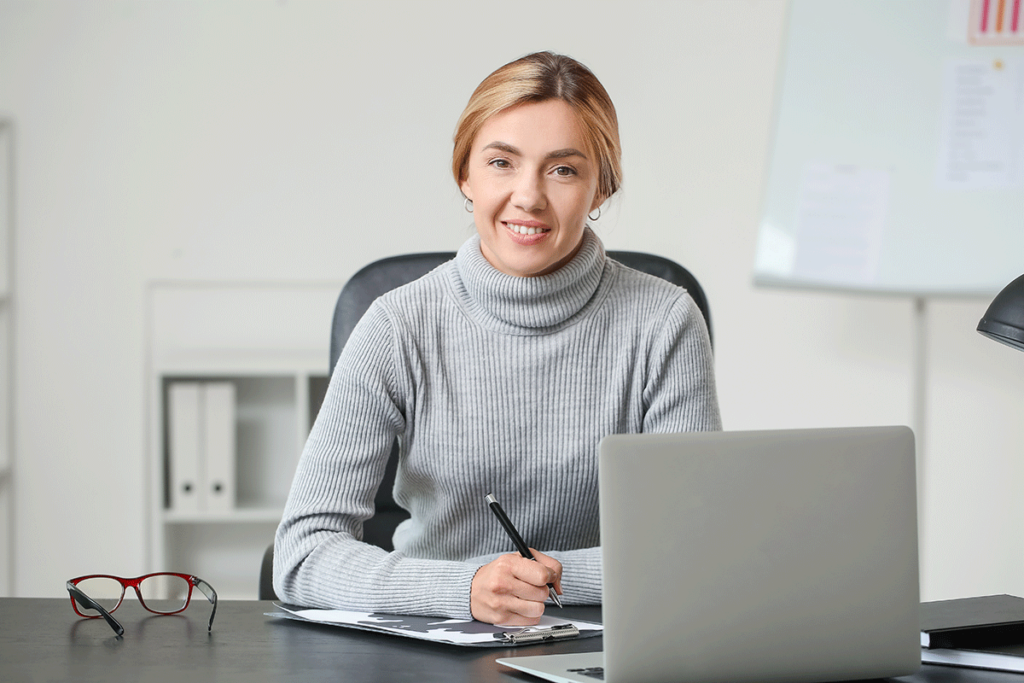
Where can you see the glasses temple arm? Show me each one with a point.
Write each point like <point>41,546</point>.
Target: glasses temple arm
<point>85,601</point>
<point>210,594</point>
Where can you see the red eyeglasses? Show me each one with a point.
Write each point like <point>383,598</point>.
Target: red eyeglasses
<point>97,595</point>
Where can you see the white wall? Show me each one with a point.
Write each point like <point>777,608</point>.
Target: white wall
<point>293,141</point>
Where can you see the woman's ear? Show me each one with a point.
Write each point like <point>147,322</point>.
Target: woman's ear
<point>464,186</point>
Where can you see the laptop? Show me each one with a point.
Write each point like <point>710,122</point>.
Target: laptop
<point>784,555</point>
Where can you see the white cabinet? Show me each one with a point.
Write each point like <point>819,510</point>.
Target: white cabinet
<point>269,342</point>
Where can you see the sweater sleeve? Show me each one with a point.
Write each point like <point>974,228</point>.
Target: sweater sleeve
<point>680,393</point>
<point>581,573</point>
<point>319,558</point>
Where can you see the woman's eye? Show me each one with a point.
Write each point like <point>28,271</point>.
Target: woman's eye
<point>565,171</point>
<point>499,163</point>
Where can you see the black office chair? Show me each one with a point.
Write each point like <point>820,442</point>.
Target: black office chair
<point>386,274</point>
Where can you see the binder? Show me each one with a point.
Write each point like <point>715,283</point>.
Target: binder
<point>184,445</point>
<point>218,452</point>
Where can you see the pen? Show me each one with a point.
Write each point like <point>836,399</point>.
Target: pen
<point>520,544</point>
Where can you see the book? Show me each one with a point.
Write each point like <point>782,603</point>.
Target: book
<point>972,623</point>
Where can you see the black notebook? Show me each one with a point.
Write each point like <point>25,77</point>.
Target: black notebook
<point>973,623</point>
<point>997,657</point>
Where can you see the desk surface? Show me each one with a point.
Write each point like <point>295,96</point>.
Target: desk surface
<point>41,639</point>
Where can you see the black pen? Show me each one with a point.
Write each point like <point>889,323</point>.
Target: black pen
<point>520,544</point>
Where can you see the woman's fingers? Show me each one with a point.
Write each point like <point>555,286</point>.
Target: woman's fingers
<point>552,564</point>
<point>512,590</point>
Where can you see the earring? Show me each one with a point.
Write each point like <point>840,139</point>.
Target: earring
<point>595,218</point>
<point>468,204</point>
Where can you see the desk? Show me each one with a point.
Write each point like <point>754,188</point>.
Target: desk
<point>42,640</point>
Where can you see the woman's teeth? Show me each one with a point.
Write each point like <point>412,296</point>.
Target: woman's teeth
<point>523,230</point>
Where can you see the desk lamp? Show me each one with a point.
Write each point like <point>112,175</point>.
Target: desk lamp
<point>1004,319</point>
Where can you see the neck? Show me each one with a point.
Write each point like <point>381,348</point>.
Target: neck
<point>525,304</point>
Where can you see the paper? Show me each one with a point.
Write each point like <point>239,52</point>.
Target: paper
<point>436,629</point>
<point>840,222</point>
<point>982,144</point>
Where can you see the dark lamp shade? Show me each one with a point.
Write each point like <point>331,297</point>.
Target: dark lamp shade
<point>1004,319</point>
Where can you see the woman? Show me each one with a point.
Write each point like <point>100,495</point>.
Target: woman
<point>499,372</point>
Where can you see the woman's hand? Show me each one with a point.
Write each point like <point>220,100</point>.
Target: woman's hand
<point>512,589</point>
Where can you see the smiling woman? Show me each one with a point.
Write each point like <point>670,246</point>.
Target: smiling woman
<point>536,150</point>
<point>498,373</point>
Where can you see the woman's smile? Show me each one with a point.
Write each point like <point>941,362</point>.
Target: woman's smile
<point>526,229</point>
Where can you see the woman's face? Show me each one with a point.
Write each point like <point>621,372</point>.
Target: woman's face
<point>532,184</point>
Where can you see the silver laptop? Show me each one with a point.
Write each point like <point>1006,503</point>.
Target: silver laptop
<point>754,556</point>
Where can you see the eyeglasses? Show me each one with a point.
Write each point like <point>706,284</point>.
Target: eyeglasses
<point>97,595</point>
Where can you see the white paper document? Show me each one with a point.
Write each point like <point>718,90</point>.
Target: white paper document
<point>840,223</point>
<point>982,143</point>
<point>436,629</point>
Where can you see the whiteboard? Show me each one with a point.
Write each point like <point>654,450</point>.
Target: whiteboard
<point>897,161</point>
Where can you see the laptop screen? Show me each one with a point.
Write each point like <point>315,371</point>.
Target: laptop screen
<point>788,555</point>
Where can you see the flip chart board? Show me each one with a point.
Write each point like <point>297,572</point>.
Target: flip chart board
<point>897,162</point>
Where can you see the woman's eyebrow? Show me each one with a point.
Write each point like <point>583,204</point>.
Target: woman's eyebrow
<point>503,147</point>
<point>567,152</point>
<point>557,154</point>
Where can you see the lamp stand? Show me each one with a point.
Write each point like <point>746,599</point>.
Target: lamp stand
<point>919,400</point>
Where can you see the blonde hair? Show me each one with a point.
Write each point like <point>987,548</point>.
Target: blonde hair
<point>539,77</point>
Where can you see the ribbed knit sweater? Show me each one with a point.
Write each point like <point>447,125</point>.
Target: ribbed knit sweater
<point>492,384</point>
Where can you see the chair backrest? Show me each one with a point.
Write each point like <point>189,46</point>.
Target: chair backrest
<point>370,282</point>
<point>382,276</point>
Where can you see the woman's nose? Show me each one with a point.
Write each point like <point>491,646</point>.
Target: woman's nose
<point>528,193</point>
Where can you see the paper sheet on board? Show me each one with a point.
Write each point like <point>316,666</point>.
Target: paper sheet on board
<point>840,222</point>
<point>982,143</point>
<point>436,629</point>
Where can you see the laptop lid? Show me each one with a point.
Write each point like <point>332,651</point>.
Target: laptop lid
<point>760,556</point>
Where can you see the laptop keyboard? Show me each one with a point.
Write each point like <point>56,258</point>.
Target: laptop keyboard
<point>596,672</point>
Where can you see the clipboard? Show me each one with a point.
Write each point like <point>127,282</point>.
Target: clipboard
<point>462,632</point>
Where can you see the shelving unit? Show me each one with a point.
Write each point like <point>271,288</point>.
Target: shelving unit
<point>271,342</point>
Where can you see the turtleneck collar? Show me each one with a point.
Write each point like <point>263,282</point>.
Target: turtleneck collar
<point>526,305</point>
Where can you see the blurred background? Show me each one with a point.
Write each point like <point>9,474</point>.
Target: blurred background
<point>188,184</point>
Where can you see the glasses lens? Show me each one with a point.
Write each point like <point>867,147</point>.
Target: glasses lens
<point>105,591</point>
<point>164,592</point>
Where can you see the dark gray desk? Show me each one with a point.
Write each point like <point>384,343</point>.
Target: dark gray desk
<point>42,640</point>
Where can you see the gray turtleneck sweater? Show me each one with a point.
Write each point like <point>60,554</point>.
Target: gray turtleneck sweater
<point>493,384</point>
